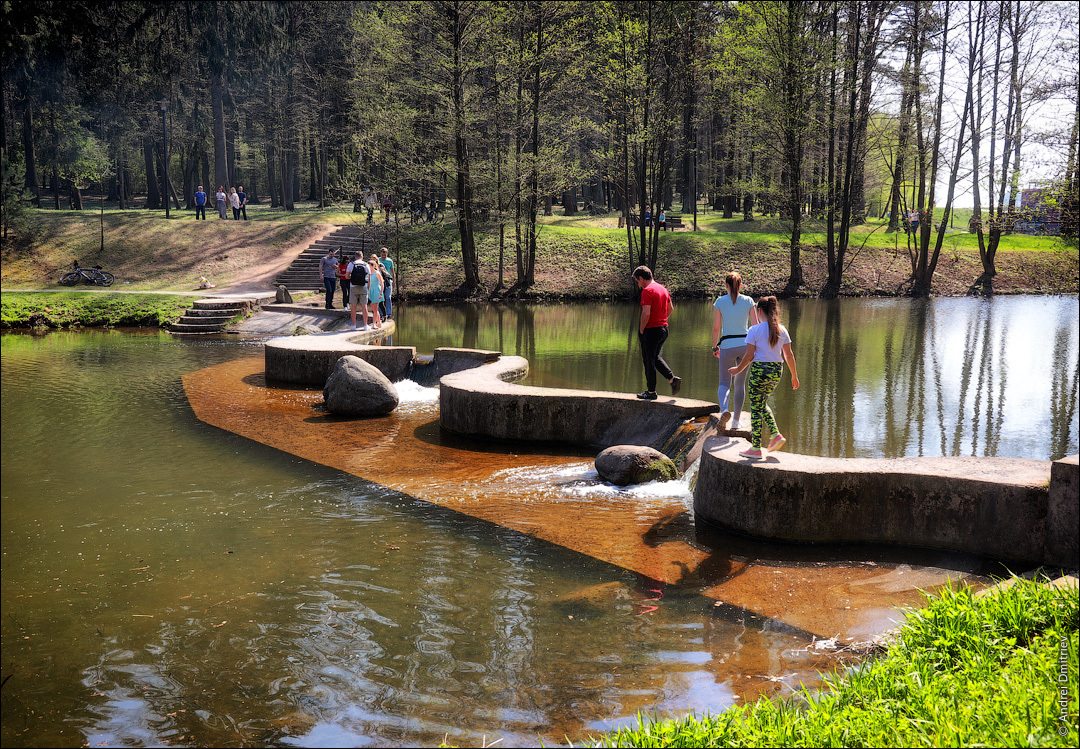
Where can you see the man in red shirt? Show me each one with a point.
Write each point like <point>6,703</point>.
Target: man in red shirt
<point>653,331</point>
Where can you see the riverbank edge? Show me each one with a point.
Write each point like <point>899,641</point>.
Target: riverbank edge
<point>967,669</point>
<point>41,310</point>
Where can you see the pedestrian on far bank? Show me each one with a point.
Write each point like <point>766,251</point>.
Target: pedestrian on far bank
<point>390,277</point>
<point>913,220</point>
<point>653,331</point>
<point>733,312</point>
<point>768,346</point>
<point>388,204</point>
<point>221,199</point>
<point>358,286</point>
<point>328,270</point>
<point>243,202</point>
<point>234,201</point>
<point>200,204</point>
<point>370,199</point>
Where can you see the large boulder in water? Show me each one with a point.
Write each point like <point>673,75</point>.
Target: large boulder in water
<point>623,465</point>
<point>356,388</point>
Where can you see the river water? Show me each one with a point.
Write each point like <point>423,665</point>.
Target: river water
<point>168,582</point>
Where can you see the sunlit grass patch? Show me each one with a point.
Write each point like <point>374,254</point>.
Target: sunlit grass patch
<point>966,670</point>
<point>89,309</point>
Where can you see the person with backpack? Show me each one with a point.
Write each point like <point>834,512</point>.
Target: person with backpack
<point>359,275</point>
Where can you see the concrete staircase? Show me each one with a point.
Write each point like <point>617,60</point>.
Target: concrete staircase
<point>209,316</point>
<point>303,274</point>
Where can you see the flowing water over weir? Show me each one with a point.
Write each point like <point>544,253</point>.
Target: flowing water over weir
<point>554,495</point>
<point>326,581</point>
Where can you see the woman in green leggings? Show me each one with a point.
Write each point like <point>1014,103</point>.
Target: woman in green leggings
<point>768,346</point>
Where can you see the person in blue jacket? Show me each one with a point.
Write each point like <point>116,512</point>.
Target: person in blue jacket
<point>200,204</point>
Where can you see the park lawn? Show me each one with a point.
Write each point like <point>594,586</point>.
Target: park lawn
<point>89,309</point>
<point>578,257</point>
<point>147,252</point>
<point>967,670</point>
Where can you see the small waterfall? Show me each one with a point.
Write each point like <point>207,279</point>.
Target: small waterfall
<point>679,443</point>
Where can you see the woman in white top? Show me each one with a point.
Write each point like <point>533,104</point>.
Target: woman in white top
<point>768,346</point>
<point>234,201</point>
<point>733,312</point>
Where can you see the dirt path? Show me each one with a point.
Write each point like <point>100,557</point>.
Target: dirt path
<point>260,277</point>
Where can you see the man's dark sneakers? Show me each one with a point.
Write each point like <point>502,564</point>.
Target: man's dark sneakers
<point>676,385</point>
<point>648,395</point>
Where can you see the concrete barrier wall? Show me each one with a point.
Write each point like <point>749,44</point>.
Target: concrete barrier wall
<point>309,359</point>
<point>486,402</point>
<point>998,507</point>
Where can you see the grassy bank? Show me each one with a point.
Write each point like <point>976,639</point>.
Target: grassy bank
<point>89,309</point>
<point>578,257</point>
<point>965,671</point>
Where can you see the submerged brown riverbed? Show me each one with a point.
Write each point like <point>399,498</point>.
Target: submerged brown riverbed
<point>532,491</point>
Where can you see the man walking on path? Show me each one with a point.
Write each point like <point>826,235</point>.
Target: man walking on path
<point>200,204</point>
<point>328,268</point>
<point>243,201</point>
<point>386,309</point>
<point>653,331</point>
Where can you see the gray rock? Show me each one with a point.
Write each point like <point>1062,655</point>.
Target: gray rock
<point>356,388</point>
<point>283,295</point>
<point>623,465</point>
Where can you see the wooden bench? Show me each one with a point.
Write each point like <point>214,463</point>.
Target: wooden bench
<point>673,222</point>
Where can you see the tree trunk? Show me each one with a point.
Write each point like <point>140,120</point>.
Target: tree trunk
<point>271,180</point>
<point>221,166</point>
<point>30,179</point>
<point>153,194</point>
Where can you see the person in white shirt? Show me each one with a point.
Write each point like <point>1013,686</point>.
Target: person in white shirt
<point>768,346</point>
<point>733,312</point>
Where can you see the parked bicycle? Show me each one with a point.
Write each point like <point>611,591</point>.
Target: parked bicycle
<point>94,275</point>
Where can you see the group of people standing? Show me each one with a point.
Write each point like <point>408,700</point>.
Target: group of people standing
<point>746,336</point>
<point>367,285</point>
<point>236,199</point>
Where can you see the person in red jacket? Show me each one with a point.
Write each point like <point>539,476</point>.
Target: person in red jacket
<point>653,331</point>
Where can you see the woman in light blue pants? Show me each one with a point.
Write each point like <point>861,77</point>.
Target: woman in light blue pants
<point>734,312</point>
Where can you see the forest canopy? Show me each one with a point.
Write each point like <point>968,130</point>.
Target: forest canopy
<point>493,112</point>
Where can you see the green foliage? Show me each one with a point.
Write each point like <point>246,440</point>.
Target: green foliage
<point>966,671</point>
<point>66,310</point>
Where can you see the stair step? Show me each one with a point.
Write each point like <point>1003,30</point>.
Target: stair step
<point>217,312</point>
<point>182,327</point>
<point>218,304</point>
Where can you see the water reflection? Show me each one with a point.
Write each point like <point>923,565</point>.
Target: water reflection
<point>880,378</point>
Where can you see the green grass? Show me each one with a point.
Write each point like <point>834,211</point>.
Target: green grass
<point>965,671</point>
<point>89,309</point>
<point>578,257</point>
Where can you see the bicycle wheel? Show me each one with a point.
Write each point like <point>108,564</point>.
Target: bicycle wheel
<point>101,278</point>
<point>70,279</point>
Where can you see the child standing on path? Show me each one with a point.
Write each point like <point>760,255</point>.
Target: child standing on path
<point>768,346</point>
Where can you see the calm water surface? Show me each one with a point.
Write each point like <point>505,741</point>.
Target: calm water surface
<point>167,582</point>
<point>880,378</point>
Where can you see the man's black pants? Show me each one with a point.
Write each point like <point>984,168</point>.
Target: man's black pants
<point>652,341</point>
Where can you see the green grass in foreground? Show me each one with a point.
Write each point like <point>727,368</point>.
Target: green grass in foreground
<point>91,309</point>
<point>966,671</point>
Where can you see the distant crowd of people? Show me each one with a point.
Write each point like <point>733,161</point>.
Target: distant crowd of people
<point>746,336</point>
<point>236,199</point>
<point>367,286</point>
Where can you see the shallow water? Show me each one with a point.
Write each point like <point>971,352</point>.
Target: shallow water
<point>165,581</point>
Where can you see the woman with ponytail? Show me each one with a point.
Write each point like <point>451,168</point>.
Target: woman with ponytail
<point>768,346</point>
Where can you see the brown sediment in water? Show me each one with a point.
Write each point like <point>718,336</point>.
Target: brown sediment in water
<point>820,593</point>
